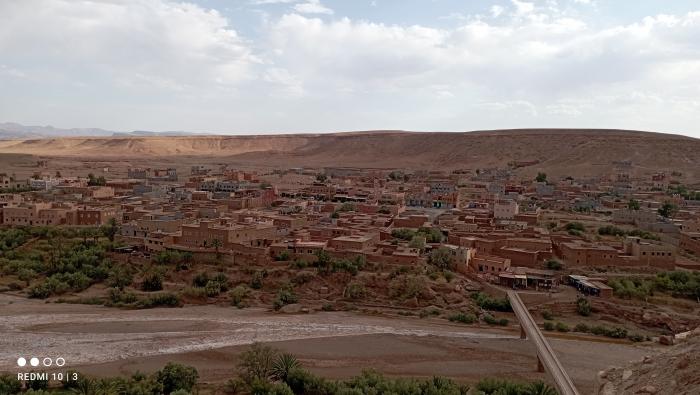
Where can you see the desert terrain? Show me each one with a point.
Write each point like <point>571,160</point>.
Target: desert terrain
<point>558,152</point>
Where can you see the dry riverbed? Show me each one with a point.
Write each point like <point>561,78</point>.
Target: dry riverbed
<point>106,342</point>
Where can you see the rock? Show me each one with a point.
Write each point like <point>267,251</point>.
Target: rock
<point>666,340</point>
<point>626,374</point>
<point>608,389</point>
<point>647,359</point>
<point>603,374</point>
<point>458,288</point>
<point>647,389</point>
<point>291,308</point>
<point>453,298</point>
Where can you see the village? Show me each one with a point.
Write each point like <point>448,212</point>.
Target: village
<point>515,232</point>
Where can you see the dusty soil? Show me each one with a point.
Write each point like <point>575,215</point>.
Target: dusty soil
<point>102,341</point>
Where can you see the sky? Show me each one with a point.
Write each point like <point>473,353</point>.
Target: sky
<point>286,66</point>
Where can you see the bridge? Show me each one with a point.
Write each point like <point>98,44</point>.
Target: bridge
<point>546,358</point>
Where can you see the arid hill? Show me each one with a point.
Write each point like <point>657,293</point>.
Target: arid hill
<point>558,151</point>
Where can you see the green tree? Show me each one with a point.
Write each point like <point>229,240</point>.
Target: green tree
<point>668,210</point>
<point>541,177</point>
<point>216,243</point>
<point>441,258</point>
<point>633,204</point>
<point>110,229</point>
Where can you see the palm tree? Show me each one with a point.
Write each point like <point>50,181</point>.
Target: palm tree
<point>540,388</point>
<point>284,364</point>
<point>216,243</point>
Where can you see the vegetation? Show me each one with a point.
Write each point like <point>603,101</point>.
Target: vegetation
<point>431,235</point>
<point>491,320</point>
<point>463,318</point>
<point>575,228</point>
<point>96,181</point>
<point>684,192</point>
<point>285,296</point>
<point>583,307</point>
<point>541,177</point>
<point>554,264</point>
<point>490,303</point>
<point>668,210</point>
<point>152,281</point>
<point>611,230</point>
<point>441,258</point>
<point>633,204</point>
<point>238,296</point>
<point>266,371</point>
<point>677,283</point>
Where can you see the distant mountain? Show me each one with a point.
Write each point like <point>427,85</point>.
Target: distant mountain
<point>146,133</point>
<point>11,130</point>
<point>16,131</point>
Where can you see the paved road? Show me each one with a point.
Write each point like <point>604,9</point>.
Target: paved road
<point>544,351</point>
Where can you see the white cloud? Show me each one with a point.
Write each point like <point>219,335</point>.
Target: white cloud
<point>169,44</point>
<point>312,7</point>
<point>262,2</point>
<point>496,10</point>
<point>523,7</point>
<point>535,65</point>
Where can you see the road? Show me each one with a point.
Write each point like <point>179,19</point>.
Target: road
<point>545,353</point>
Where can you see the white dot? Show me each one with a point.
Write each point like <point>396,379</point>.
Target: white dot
<point>21,361</point>
<point>34,361</point>
<point>60,361</point>
<point>47,362</point>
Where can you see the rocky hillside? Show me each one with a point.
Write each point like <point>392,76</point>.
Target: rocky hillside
<point>674,372</point>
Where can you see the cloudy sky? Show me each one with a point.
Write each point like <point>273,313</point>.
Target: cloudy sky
<point>271,66</point>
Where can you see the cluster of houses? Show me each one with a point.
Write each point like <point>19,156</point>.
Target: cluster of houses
<point>493,224</point>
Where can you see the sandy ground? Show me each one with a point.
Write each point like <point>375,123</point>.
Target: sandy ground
<point>101,341</point>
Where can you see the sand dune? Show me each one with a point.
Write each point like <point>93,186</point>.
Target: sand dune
<point>570,151</point>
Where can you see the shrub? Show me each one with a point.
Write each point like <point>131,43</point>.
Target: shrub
<point>285,296</point>
<point>491,320</point>
<point>160,300</point>
<point>257,362</point>
<point>407,286</point>
<point>257,281</point>
<point>355,291</point>
<point>441,258</point>
<point>554,264</point>
<point>152,281</point>
<point>238,295</point>
<point>283,256</point>
<point>9,384</point>
<point>548,326</point>
<point>583,307</point>
<point>212,289</point>
<point>583,328</point>
<point>635,337</point>
<point>562,327</point>
<point>547,315</point>
<point>200,280</point>
<point>462,318</point>
<point>176,377</point>
<point>488,303</point>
